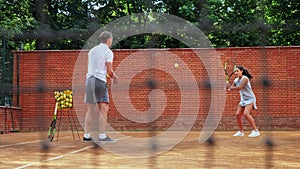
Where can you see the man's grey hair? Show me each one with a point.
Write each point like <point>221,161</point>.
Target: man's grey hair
<point>104,36</point>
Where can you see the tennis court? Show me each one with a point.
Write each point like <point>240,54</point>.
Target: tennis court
<point>170,96</point>
<point>32,150</point>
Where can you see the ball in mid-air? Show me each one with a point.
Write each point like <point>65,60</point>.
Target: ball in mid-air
<point>176,65</point>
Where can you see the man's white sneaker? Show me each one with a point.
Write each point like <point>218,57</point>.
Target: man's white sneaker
<point>239,134</point>
<point>254,133</point>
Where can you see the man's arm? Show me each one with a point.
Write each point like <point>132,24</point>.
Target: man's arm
<point>109,70</point>
<point>111,74</point>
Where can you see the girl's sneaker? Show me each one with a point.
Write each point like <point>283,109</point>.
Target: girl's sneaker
<point>239,134</point>
<point>254,133</point>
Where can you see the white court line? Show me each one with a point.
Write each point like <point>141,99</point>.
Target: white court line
<point>26,142</point>
<point>64,155</point>
<point>54,158</point>
<point>21,143</point>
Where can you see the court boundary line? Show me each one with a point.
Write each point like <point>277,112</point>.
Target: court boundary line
<point>26,142</point>
<point>54,158</point>
<point>64,155</point>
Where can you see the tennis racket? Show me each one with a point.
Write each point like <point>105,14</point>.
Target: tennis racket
<point>229,68</point>
<point>52,129</point>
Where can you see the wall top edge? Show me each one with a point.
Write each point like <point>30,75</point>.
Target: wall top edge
<point>162,49</point>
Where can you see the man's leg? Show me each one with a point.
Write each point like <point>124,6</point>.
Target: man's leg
<point>103,117</point>
<point>88,121</point>
<point>104,107</point>
<point>90,100</point>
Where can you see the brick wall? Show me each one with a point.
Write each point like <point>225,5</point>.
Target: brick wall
<point>42,72</point>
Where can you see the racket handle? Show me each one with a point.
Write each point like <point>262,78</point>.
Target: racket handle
<point>227,79</point>
<point>227,85</point>
<point>56,106</point>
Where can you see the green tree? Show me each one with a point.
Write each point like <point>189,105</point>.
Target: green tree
<point>61,24</point>
<point>15,17</point>
<point>236,23</point>
<point>57,24</point>
<point>284,17</point>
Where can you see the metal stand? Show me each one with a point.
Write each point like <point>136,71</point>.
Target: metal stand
<point>6,108</point>
<point>71,122</point>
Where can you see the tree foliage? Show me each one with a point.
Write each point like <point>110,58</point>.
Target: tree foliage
<point>15,18</point>
<point>284,16</point>
<point>67,24</point>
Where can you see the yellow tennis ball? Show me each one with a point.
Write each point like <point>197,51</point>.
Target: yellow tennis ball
<point>176,65</point>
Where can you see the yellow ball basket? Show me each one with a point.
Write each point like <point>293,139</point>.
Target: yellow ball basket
<point>64,99</point>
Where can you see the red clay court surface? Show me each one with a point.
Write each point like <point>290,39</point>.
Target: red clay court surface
<point>23,150</point>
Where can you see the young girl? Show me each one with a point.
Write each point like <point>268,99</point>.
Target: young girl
<point>248,100</point>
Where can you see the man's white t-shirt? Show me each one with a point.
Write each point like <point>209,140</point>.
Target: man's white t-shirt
<point>98,56</point>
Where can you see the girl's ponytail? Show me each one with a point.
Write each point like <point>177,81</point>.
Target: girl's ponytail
<point>245,71</point>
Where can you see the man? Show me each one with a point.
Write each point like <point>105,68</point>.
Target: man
<point>100,59</point>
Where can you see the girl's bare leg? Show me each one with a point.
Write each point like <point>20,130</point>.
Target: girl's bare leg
<point>248,116</point>
<point>239,116</point>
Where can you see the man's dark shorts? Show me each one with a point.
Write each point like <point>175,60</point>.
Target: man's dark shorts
<point>96,91</point>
